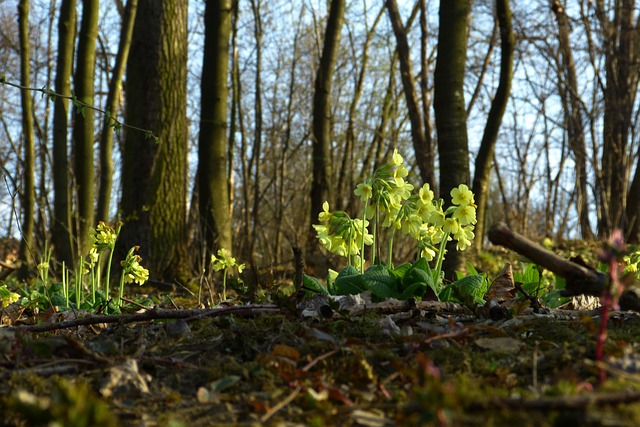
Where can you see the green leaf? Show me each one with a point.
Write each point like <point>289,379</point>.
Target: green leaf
<point>313,285</point>
<point>471,289</point>
<point>349,282</point>
<point>415,290</point>
<point>400,271</point>
<point>331,279</point>
<point>555,299</point>
<point>447,294</point>
<point>224,383</point>
<point>380,282</point>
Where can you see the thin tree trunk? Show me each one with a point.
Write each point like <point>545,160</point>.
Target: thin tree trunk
<point>215,213</point>
<point>83,130</point>
<point>28,142</point>
<point>257,142</point>
<point>113,99</point>
<point>484,158</point>
<point>320,188</point>
<point>61,231</point>
<point>450,108</point>
<point>423,157</point>
<point>573,112</point>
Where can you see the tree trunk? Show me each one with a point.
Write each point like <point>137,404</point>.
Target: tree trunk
<point>113,99</point>
<point>484,158</point>
<point>154,170</point>
<point>450,108</point>
<point>621,68</point>
<point>257,142</point>
<point>61,231</point>
<point>320,188</point>
<point>574,120</point>
<point>423,152</point>
<point>215,211</point>
<point>83,129</point>
<point>28,142</point>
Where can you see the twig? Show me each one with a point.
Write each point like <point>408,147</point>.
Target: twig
<point>77,103</point>
<point>153,314</point>
<point>281,404</point>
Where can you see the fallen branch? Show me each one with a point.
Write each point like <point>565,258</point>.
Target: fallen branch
<point>579,279</point>
<point>153,314</point>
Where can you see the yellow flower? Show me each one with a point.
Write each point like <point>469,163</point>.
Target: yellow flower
<point>428,253</point>
<point>364,191</point>
<point>397,158</point>
<point>462,195</point>
<point>426,194</point>
<point>464,236</point>
<point>437,217</point>
<point>104,237</point>
<point>132,270</point>
<point>325,215</point>
<point>400,172</point>
<point>465,214</point>
<point>450,225</point>
<point>411,225</point>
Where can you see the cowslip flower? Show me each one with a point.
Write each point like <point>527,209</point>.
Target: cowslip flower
<point>104,237</point>
<point>462,195</point>
<point>132,271</point>
<point>396,159</point>
<point>325,215</point>
<point>364,191</point>
<point>465,214</point>
<point>464,236</point>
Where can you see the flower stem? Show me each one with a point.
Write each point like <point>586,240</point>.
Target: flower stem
<point>441,252</point>
<point>224,285</point>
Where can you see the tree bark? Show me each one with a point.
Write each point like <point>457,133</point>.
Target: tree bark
<point>423,151</point>
<point>61,231</point>
<point>320,188</point>
<point>113,99</point>
<point>83,129</point>
<point>484,158</point>
<point>450,108</point>
<point>28,142</point>
<point>574,119</point>
<point>621,69</point>
<point>154,168</point>
<point>213,186</point>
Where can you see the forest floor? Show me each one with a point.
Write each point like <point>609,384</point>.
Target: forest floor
<point>386,364</point>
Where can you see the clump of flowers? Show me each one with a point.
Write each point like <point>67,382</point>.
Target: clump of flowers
<point>104,239</point>
<point>224,261</point>
<point>132,271</point>
<point>388,202</point>
<point>7,297</point>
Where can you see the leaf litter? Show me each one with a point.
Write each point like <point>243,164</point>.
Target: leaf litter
<point>326,360</point>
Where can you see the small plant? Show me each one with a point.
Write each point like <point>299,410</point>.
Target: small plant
<point>388,203</point>
<point>612,254</point>
<point>132,271</point>
<point>224,262</point>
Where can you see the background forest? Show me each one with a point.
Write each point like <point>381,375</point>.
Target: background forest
<point>227,123</point>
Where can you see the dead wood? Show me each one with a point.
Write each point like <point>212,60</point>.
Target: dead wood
<point>153,314</point>
<point>579,279</point>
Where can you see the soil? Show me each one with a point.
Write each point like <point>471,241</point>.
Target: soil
<point>395,363</point>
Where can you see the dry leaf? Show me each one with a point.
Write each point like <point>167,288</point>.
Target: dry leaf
<point>502,288</point>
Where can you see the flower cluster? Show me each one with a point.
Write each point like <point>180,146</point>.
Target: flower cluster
<point>104,237</point>
<point>224,261</point>
<point>132,271</point>
<point>388,202</point>
<point>343,235</point>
